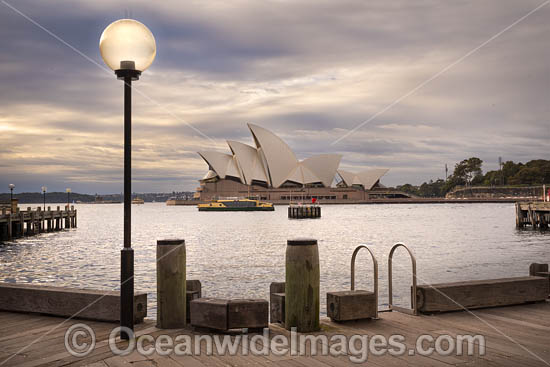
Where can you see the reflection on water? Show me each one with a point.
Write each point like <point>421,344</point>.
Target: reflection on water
<point>240,254</point>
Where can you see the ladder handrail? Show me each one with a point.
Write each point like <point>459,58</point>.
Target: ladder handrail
<point>390,286</point>
<point>375,271</point>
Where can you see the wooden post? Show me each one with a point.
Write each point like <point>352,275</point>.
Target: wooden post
<point>21,223</point>
<point>36,216</point>
<point>302,285</point>
<point>543,224</point>
<point>519,222</point>
<point>14,205</point>
<point>171,284</point>
<point>532,217</point>
<point>48,220</point>
<point>10,229</point>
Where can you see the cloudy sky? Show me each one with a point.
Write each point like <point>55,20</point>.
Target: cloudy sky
<point>310,71</point>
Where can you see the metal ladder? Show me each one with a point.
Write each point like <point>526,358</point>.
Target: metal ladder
<point>392,307</point>
<point>375,269</point>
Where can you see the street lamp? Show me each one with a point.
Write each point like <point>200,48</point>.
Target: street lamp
<point>11,186</point>
<point>68,190</point>
<point>44,189</point>
<point>127,47</point>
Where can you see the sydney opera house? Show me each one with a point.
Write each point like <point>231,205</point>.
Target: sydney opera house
<point>270,171</point>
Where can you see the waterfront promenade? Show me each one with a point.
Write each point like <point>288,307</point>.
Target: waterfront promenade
<point>514,335</point>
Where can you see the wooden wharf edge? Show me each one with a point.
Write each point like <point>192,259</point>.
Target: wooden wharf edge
<point>500,326</point>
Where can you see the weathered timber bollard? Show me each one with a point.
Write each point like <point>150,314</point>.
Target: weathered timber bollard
<point>302,285</point>
<point>171,284</point>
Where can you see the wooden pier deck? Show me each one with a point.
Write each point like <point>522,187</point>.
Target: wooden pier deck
<point>514,335</point>
<point>30,222</point>
<point>534,214</point>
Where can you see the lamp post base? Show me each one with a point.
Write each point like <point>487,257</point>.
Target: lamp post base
<point>127,292</point>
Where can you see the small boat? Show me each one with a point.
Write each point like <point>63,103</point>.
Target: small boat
<point>235,205</point>
<point>138,201</point>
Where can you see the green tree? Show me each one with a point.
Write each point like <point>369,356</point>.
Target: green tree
<point>527,176</point>
<point>408,188</point>
<point>467,171</point>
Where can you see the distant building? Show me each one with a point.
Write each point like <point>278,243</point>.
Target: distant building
<point>271,171</point>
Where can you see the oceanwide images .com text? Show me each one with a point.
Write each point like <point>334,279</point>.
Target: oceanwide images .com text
<point>80,341</point>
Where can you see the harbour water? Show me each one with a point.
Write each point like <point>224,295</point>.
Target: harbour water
<point>239,254</point>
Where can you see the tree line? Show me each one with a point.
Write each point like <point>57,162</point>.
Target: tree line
<point>469,173</point>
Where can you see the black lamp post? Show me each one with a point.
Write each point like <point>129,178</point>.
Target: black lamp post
<point>68,190</point>
<point>44,189</point>
<point>127,47</point>
<point>11,186</point>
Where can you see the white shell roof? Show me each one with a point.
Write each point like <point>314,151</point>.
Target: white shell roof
<point>366,178</point>
<point>281,161</point>
<point>223,164</point>
<point>323,166</point>
<point>370,177</point>
<point>209,174</point>
<point>347,177</point>
<point>273,162</point>
<point>249,162</point>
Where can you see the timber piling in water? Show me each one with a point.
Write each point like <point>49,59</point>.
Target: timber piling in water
<point>21,223</point>
<point>534,214</point>
<point>304,211</point>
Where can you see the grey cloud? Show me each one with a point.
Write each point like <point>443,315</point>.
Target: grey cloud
<point>308,70</point>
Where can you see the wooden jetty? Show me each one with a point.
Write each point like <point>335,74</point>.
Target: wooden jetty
<point>514,336</point>
<point>534,214</point>
<point>30,222</point>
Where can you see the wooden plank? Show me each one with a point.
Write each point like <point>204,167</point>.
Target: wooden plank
<point>500,351</point>
<point>497,346</point>
<point>481,293</point>
<point>67,302</point>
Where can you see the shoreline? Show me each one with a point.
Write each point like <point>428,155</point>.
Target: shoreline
<point>382,201</point>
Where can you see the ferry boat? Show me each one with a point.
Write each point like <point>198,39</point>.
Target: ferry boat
<point>235,205</point>
<point>138,201</point>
